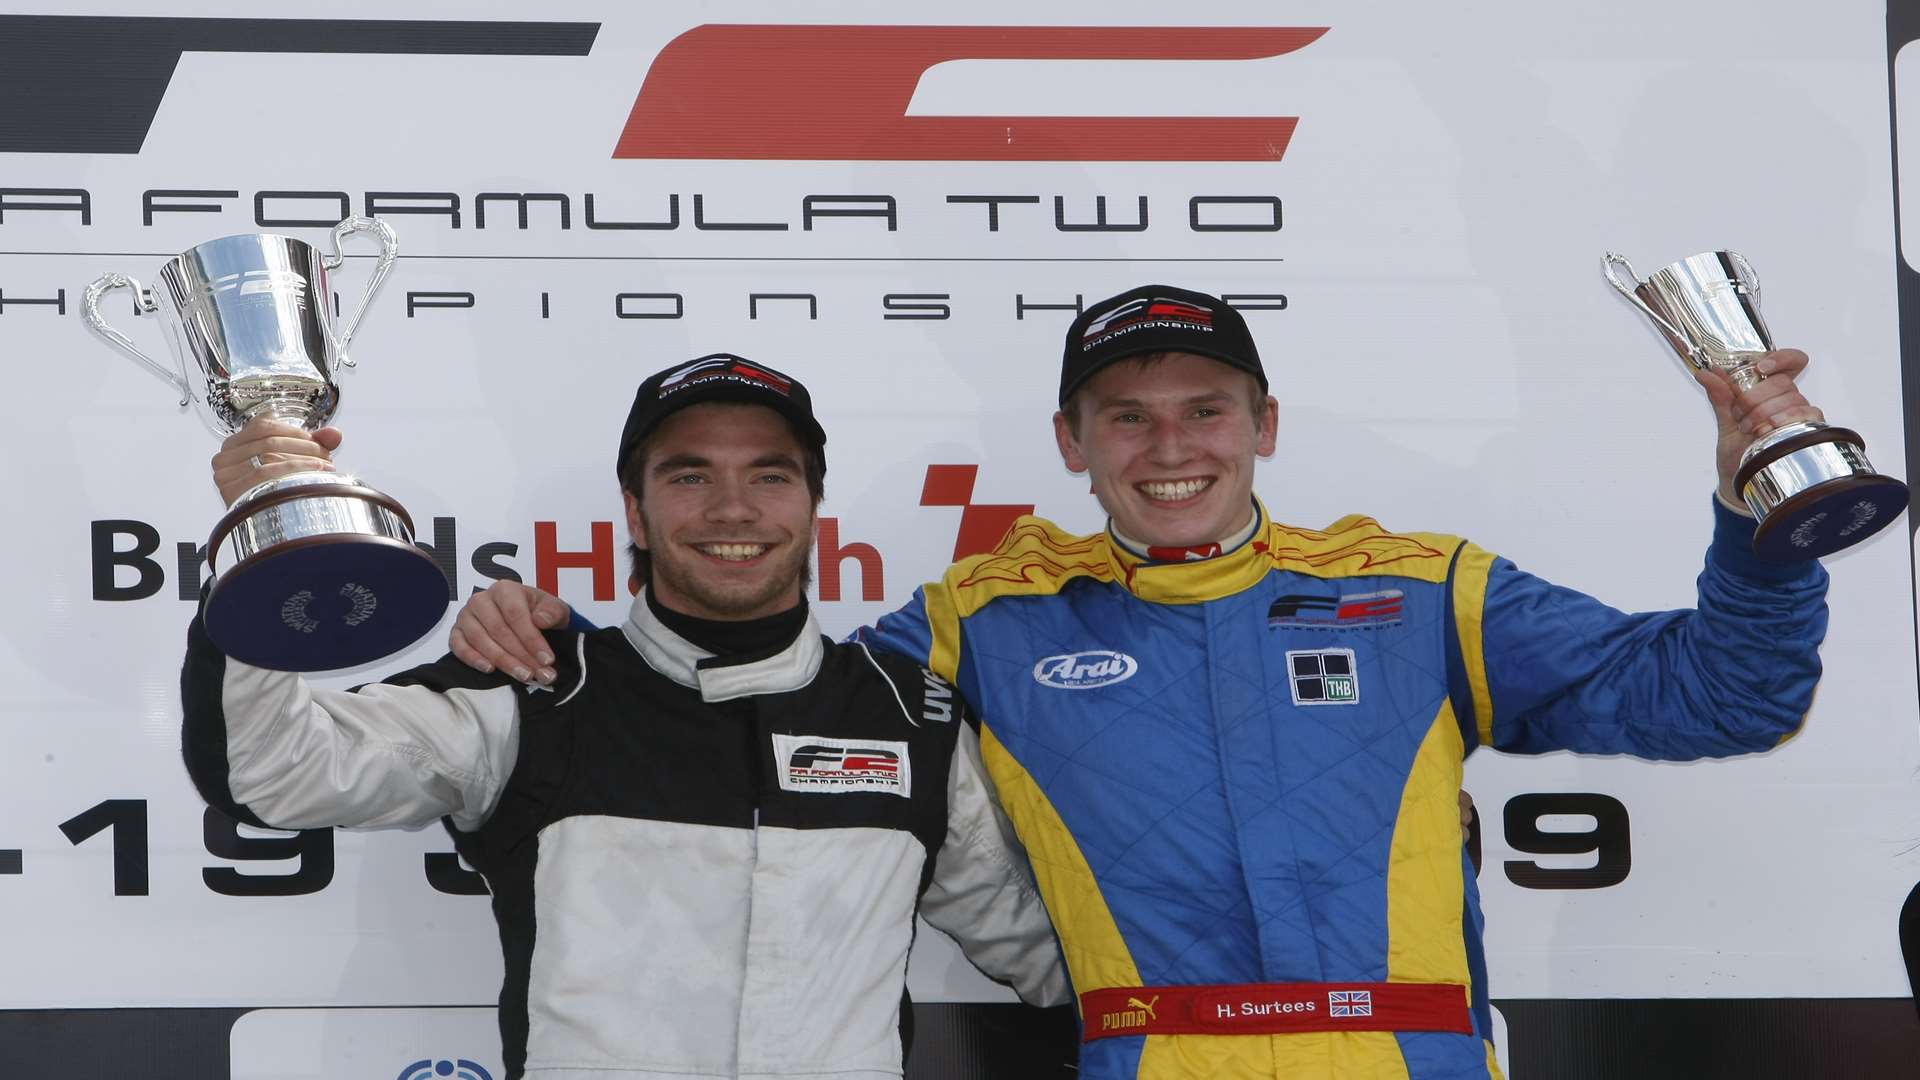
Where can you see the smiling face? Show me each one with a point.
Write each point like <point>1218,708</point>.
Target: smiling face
<point>724,513</point>
<point>1170,441</point>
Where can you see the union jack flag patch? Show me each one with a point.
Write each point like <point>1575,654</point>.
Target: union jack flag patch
<point>1349,1003</point>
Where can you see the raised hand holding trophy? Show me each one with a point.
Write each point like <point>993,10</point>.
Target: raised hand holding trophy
<point>324,573</point>
<point>1809,484</point>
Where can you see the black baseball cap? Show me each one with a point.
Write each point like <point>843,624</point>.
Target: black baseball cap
<point>719,377</point>
<point>1156,318</point>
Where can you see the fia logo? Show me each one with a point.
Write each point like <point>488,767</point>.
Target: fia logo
<point>429,1069</point>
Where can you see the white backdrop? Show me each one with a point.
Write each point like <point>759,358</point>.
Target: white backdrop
<point>1448,358</point>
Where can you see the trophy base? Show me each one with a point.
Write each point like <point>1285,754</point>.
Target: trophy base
<point>327,577</point>
<point>1815,492</point>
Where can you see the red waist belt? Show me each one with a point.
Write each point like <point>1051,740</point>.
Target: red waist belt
<point>1274,1009</point>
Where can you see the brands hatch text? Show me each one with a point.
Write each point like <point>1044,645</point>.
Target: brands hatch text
<point>131,561</point>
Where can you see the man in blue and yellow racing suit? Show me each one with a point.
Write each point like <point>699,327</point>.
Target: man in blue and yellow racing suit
<point>1231,747</point>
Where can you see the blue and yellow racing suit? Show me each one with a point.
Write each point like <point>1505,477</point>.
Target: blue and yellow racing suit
<point>1243,770</point>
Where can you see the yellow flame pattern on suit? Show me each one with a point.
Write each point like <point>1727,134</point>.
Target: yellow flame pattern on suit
<point>1038,558</point>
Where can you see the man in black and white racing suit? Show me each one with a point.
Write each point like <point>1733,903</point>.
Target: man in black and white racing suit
<point>707,835</point>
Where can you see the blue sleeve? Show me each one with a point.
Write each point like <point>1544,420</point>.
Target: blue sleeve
<point>1733,675</point>
<point>906,632</point>
<point>579,623</point>
<point>929,631</point>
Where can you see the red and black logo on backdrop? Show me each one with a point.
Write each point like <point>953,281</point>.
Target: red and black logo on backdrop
<point>93,84</point>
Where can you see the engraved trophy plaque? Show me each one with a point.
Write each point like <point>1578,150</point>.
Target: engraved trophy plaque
<point>1809,483</point>
<point>322,571</point>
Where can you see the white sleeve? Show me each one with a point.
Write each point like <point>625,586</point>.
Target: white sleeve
<point>384,755</point>
<point>982,893</point>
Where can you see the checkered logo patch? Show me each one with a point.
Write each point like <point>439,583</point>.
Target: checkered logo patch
<point>1323,677</point>
<point>1349,1003</point>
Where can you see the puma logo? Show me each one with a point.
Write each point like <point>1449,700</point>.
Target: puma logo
<point>1137,1014</point>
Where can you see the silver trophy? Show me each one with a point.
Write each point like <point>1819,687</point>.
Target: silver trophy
<point>323,572</point>
<point>1809,484</point>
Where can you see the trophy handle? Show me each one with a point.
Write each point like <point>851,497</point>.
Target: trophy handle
<point>1749,277</point>
<point>97,323</point>
<point>389,250</point>
<point>1745,377</point>
<point>1612,263</point>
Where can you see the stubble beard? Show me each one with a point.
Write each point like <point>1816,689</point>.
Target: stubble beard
<point>686,576</point>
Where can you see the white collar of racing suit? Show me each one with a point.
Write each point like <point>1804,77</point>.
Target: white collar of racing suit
<point>1231,542</point>
<point>722,679</point>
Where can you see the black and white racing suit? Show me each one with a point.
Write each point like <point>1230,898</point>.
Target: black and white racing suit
<point>701,866</point>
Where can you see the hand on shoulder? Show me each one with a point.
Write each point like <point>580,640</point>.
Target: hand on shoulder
<point>500,628</point>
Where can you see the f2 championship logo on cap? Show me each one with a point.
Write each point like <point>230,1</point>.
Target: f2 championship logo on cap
<point>733,368</point>
<point>1158,311</point>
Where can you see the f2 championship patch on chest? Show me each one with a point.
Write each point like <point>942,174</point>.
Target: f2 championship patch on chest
<point>823,765</point>
<point>1348,611</point>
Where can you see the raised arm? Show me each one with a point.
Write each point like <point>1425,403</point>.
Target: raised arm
<point>1551,668</point>
<point>264,746</point>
